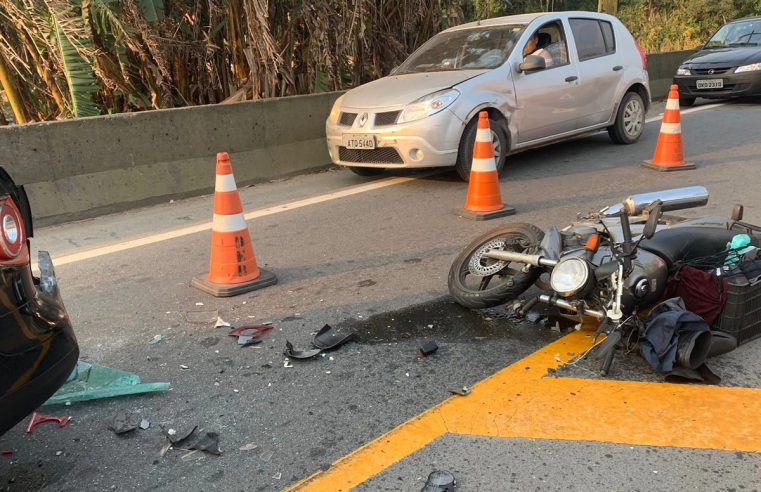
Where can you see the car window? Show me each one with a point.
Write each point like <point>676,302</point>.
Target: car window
<point>549,42</point>
<point>466,49</point>
<point>743,33</point>
<point>588,34</point>
<point>608,37</point>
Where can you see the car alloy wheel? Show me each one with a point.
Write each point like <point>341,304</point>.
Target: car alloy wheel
<point>634,117</point>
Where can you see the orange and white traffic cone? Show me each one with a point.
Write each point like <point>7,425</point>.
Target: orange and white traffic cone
<point>484,201</point>
<point>669,155</point>
<point>233,269</point>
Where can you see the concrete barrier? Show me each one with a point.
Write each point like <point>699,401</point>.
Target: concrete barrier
<point>84,168</point>
<point>661,67</point>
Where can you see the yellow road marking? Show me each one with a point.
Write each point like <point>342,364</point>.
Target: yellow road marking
<point>520,402</point>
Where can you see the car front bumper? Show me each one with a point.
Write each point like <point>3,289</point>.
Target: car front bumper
<point>428,142</point>
<point>735,85</point>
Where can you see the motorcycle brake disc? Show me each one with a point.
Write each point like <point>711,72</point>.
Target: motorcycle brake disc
<point>483,266</point>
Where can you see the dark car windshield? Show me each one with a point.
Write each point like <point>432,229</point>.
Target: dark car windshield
<point>742,33</point>
<point>468,49</point>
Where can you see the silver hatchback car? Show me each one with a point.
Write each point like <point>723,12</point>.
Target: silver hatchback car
<point>542,77</point>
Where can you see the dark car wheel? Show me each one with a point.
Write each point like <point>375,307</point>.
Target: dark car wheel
<point>630,120</point>
<point>686,101</point>
<point>367,171</point>
<point>468,140</point>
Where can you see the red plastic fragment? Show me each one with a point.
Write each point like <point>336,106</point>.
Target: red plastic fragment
<point>38,419</point>
<point>8,453</point>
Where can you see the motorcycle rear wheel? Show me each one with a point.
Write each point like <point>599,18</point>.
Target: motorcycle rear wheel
<point>472,281</point>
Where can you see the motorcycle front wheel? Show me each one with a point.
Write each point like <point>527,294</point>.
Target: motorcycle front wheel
<point>477,282</point>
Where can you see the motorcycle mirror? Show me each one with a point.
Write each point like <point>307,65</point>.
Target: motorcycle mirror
<point>655,212</point>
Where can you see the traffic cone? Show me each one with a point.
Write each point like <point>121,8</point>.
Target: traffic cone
<point>484,201</point>
<point>233,268</point>
<point>669,155</point>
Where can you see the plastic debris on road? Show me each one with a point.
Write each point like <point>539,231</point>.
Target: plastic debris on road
<point>427,348</point>
<point>464,391</point>
<point>248,447</point>
<point>39,419</point>
<point>293,353</point>
<point>98,382</point>
<point>440,481</point>
<point>7,453</point>
<point>122,423</point>
<point>145,424</point>
<point>220,323</point>
<point>157,339</point>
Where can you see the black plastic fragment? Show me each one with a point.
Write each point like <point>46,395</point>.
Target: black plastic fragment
<point>428,347</point>
<point>181,437</point>
<point>329,338</point>
<point>122,423</point>
<point>299,354</point>
<point>209,443</point>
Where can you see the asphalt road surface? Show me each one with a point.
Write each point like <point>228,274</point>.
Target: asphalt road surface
<point>372,256</point>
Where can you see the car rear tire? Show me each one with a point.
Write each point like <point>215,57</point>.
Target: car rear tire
<point>367,171</point>
<point>630,120</point>
<point>468,140</point>
<point>686,101</point>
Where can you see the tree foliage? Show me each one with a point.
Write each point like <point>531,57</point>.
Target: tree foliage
<point>83,57</point>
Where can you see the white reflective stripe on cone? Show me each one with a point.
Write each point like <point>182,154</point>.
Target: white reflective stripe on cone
<point>228,223</point>
<point>225,182</point>
<point>672,104</point>
<point>483,135</point>
<point>483,165</point>
<point>671,128</point>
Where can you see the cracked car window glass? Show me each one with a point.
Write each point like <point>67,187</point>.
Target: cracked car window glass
<point>468,49</point>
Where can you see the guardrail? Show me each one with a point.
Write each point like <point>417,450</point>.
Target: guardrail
<point>84,168</point>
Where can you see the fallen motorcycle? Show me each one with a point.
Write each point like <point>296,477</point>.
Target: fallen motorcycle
<point>610,267</point>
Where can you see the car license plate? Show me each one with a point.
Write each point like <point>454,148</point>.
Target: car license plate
<point>711,84</point>
<point>358,141</point>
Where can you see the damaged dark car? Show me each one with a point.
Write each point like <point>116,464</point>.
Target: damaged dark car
<point>727,66</point>
<point>38,349</point>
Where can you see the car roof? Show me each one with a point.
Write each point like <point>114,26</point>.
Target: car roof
<point>525,19</point>
<point>743,19</point>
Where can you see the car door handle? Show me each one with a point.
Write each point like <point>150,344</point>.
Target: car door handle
<point>618,67</point>
<point>571,78</point>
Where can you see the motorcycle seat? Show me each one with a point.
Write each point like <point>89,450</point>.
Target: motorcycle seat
<point>682,244</point>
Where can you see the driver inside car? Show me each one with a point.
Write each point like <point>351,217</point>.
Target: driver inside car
<point>536,46</point>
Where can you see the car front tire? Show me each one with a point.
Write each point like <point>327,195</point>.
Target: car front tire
<point>468,141</point>
<point>630,120</point>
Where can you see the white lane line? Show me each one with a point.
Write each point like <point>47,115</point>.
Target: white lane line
<point>686,111</point>
<point>186,231</point>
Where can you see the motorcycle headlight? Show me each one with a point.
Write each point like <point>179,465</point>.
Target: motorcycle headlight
<point>570,276</point>
<point>429,105</point>
<point>336,111</point>
<point>683,71</point>
<point>748,68</point>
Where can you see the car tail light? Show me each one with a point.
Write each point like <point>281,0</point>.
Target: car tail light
<point>11,230</point>
<point>642,55</point>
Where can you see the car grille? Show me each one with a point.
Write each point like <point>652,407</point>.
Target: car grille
<point>347,119</point>
<point>705,71</point>
<point>387,118</point>
<point>381,155</point>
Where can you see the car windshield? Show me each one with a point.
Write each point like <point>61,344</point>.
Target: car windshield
<point>744,33</point>
<point>468,49</point>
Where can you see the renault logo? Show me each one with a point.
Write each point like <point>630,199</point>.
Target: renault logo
<point>362,119</point>
<point>710,72</point>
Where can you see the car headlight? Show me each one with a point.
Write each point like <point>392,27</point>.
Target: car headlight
<point>683,71</point>
<point>336,111</point>
<point>570,276</point>
<point>429,105</point>
<point>748,68</point>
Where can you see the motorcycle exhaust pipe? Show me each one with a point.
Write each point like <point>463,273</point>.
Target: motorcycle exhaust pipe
<point>553,301</point>
<point>536,260</point>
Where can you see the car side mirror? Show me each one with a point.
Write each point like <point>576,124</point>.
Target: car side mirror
<point>656,210</point>
<point>532,63</point>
